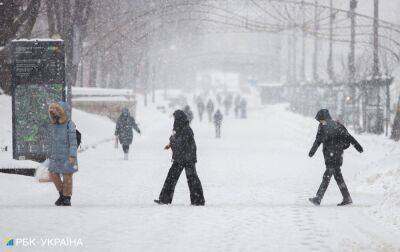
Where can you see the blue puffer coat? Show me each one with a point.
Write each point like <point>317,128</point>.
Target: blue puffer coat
<point>62,143</point>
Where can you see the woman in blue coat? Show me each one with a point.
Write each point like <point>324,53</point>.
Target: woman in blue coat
<point>124,130</point>
<point>62,153</point>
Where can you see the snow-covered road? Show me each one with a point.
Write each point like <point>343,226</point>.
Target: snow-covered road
<point>256,181</point>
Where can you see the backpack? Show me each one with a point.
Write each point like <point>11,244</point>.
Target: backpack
<point>78,136</point>
<point>343,137</point>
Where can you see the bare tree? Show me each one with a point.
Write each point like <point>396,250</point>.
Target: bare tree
<point>17,19</point>
<point>68,19</point>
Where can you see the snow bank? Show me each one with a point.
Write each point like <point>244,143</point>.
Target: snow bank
<point>383,176</point>
<point>100,91</point>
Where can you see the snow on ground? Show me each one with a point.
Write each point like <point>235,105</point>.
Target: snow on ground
<point>256,180</point>
<point>383,175</point>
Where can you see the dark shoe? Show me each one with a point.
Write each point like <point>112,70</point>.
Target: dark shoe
<point>316,201</point>
<point>198,204</point>
<point>160,202</point>
<point>345,202</point>
<point>60,199</point>
<point>66,201</point>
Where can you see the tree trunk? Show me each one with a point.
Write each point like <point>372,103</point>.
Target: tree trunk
<point>395,135</point>
<point>103,72</point>
<point>93,70</point>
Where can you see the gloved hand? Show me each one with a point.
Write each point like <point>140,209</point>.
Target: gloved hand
<point>359,148</point>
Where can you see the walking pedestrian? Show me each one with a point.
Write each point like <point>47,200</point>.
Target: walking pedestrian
<point>184,157</point>
<point>218,117</point>
<point>335,139</point>
<point>124,131</point>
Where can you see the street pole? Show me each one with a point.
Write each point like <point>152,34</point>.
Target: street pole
<point>330,57</point>
<point>289,60</point>
<point>376,70</point>
<point>303,44</point>
<point>294,53</point>
<point>352,70</point>
<point>316,42</point>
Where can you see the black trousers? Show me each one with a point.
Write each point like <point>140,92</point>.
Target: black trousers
<point>337,174</point>
<point>196,190</point>
<point>125,148</point>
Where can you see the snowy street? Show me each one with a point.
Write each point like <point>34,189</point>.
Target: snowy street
<point>256,185</point>
<point>210,126</point>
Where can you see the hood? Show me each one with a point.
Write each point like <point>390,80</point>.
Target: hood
<point>180,120</point>
<point>62,112</point>
<point>323,114</point>
<point>125,112</point>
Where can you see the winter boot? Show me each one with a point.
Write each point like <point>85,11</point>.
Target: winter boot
<point>125,156</point>
<point>316,201</point>
<point>160,202</point>
<point>198,204</point>
<point>346,201</point>
<point>66,201</point>
<point>60,199</point>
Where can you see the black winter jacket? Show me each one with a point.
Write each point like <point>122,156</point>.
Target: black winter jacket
<point>335,139</point>
<point>182,141</point>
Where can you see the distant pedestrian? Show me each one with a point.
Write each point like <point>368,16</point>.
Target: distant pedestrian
<point>335,139</point>
<point>210,109</point>
<point>243,109</point>
<point>124,132</point>
<point>237,106</point>
<point>218,117</point>
<point>63,146</point>
<point>228,103</point>
<point>200,108</point>
<point>188,112</point>
<point>184,156</point>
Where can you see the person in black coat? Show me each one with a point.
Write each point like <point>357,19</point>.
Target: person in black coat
<point>210,109</point>
<point>237,103</point>
<point>335,139</point>
<point>184,156</point>
<point>243,108</point>
<point>217,122</point>
<point>200,107</point>
<point>124,131</point>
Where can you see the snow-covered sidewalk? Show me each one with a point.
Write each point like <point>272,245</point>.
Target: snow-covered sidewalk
<point>256,181</point>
